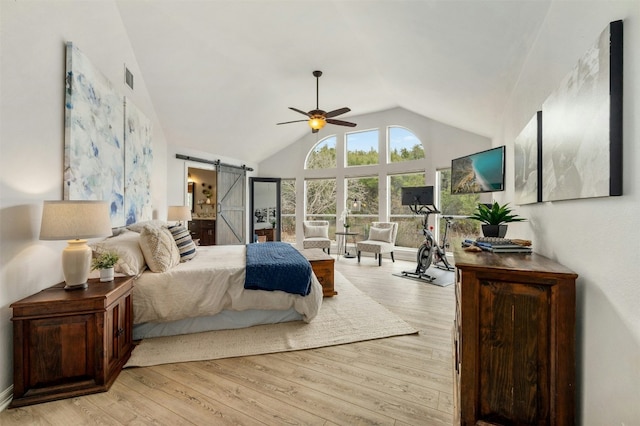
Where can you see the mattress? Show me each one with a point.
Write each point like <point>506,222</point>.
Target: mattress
<point>210,283</point>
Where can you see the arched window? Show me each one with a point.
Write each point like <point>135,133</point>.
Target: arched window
<point>403,145</point>
<point>359,179</point>
<point>323,155</point>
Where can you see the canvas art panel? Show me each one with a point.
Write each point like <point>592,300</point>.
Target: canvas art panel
<point>138,159</point>
<point>527,155</point>
<point>94,123</point>
<point>582,132</point>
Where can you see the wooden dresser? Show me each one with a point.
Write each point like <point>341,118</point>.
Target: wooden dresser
<point>71,343</point>
<point>269,233</point>
<point>514,340</point>
<point>203,230</point>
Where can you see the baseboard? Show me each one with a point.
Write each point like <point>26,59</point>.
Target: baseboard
<point>5,398</point>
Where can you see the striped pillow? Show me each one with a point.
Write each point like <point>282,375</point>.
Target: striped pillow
<point>186,246</point>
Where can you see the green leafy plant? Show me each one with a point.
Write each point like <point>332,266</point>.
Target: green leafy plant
<point>496,215</point>
<point>105,260</point>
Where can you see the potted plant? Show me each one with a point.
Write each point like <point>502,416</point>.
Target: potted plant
<point>495,218</point>
<point>105,262</point>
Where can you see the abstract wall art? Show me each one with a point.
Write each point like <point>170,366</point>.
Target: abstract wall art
<point>108,144</point>
<point>138,159</point>
<point>527,162</point>
<point>94,123</point>
<point>582,132</point>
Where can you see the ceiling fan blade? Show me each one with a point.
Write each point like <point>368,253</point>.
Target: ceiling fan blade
<point>337,112</point>
<point>295,121</point>
<point>340,122</point>
<point>300,111</point>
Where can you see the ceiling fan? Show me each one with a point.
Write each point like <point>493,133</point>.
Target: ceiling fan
<point>317,118</point>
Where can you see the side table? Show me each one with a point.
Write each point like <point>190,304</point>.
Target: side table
<point>71,343</point>
<point>342,240</point>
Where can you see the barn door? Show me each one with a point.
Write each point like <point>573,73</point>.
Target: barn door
<point>230,220</point>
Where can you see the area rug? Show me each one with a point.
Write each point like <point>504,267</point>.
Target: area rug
<point>440,277</point>
<point>349,317</point>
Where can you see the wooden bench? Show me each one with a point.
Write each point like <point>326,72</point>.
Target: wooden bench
<point>322,265</point>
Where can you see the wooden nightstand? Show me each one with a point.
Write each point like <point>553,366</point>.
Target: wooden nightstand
<point>71,343</point>
<point>322,265</point>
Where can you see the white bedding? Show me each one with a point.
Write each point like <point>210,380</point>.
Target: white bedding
<point>210,283</point>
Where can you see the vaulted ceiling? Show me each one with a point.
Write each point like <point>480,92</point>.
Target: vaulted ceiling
<point>222,73</point>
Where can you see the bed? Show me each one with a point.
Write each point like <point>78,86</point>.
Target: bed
<point>181,289</point>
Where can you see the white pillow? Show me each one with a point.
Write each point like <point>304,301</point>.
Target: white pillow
<point>126,244</point>
<point>186,246</point>
<point>159,248</point>
<point>313,231</point>
<point>137,227</point>
<point>380,234</point>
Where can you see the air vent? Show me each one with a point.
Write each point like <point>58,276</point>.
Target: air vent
<point>128,77</point>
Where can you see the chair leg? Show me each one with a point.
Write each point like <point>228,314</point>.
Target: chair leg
<point>392,259</point>
<point>358,256</point>
<point>380,259</point>
<point>329,250</point>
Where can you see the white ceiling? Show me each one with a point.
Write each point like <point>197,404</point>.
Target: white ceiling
<point>222,73</point>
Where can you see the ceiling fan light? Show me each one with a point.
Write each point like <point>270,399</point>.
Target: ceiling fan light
<point>317,123</point>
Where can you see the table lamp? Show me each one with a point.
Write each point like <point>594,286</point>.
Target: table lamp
<point>179,214</point>
<point>75,221</point>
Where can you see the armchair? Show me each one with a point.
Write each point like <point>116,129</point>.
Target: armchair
<point>316,235</point>
<point>382,239</point>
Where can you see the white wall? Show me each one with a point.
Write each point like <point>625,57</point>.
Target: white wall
<point>597,238</point>
<point>441,143</point>
<point>33,36</point>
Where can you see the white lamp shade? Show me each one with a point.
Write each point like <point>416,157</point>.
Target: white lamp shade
<point>74,221</point>
<point>179,213</point>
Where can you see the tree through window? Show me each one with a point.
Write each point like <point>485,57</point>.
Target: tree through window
<point>403,145</point>
<point>323,155</point>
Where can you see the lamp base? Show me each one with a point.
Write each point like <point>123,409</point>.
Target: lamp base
<point>76,261</point>
<point>82,286</point>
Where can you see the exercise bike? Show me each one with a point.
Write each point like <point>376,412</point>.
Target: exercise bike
<point>429,252</point>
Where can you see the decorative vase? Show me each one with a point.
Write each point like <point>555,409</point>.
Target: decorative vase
<point>494,230</point>
<point>106,275</point>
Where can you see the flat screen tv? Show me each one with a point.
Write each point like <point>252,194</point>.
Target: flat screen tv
<point>479,172</point>
<point>420,195</point>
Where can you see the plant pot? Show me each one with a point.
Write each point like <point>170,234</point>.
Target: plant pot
<point>106,275</point>
<point>494,230</point>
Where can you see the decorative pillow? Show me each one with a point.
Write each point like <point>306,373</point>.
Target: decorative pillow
<point>127,245</point>
<point>186,246</point>
<point>380,234</point>
<point>137,227</point>
<point>312,231</point>
<point>159,248</point>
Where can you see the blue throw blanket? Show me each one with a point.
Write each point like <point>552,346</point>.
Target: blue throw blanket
<point>277,266</point>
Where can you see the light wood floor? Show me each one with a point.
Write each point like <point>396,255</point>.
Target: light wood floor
<point>403,380</point>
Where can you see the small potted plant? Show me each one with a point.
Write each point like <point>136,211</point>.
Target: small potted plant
<point>105,262</point>
<point>495,218</point>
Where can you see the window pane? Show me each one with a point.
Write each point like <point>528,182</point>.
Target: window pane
<point>288,210</point>
<point>323,155</point>
<point>362,148</point>
<point>409,225</point>
<point>362,202</point>
<point>404,145</point>
<point>364,191</point>
<point>396,183</point>
<point>459,206</point>
<point>321,197</point>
